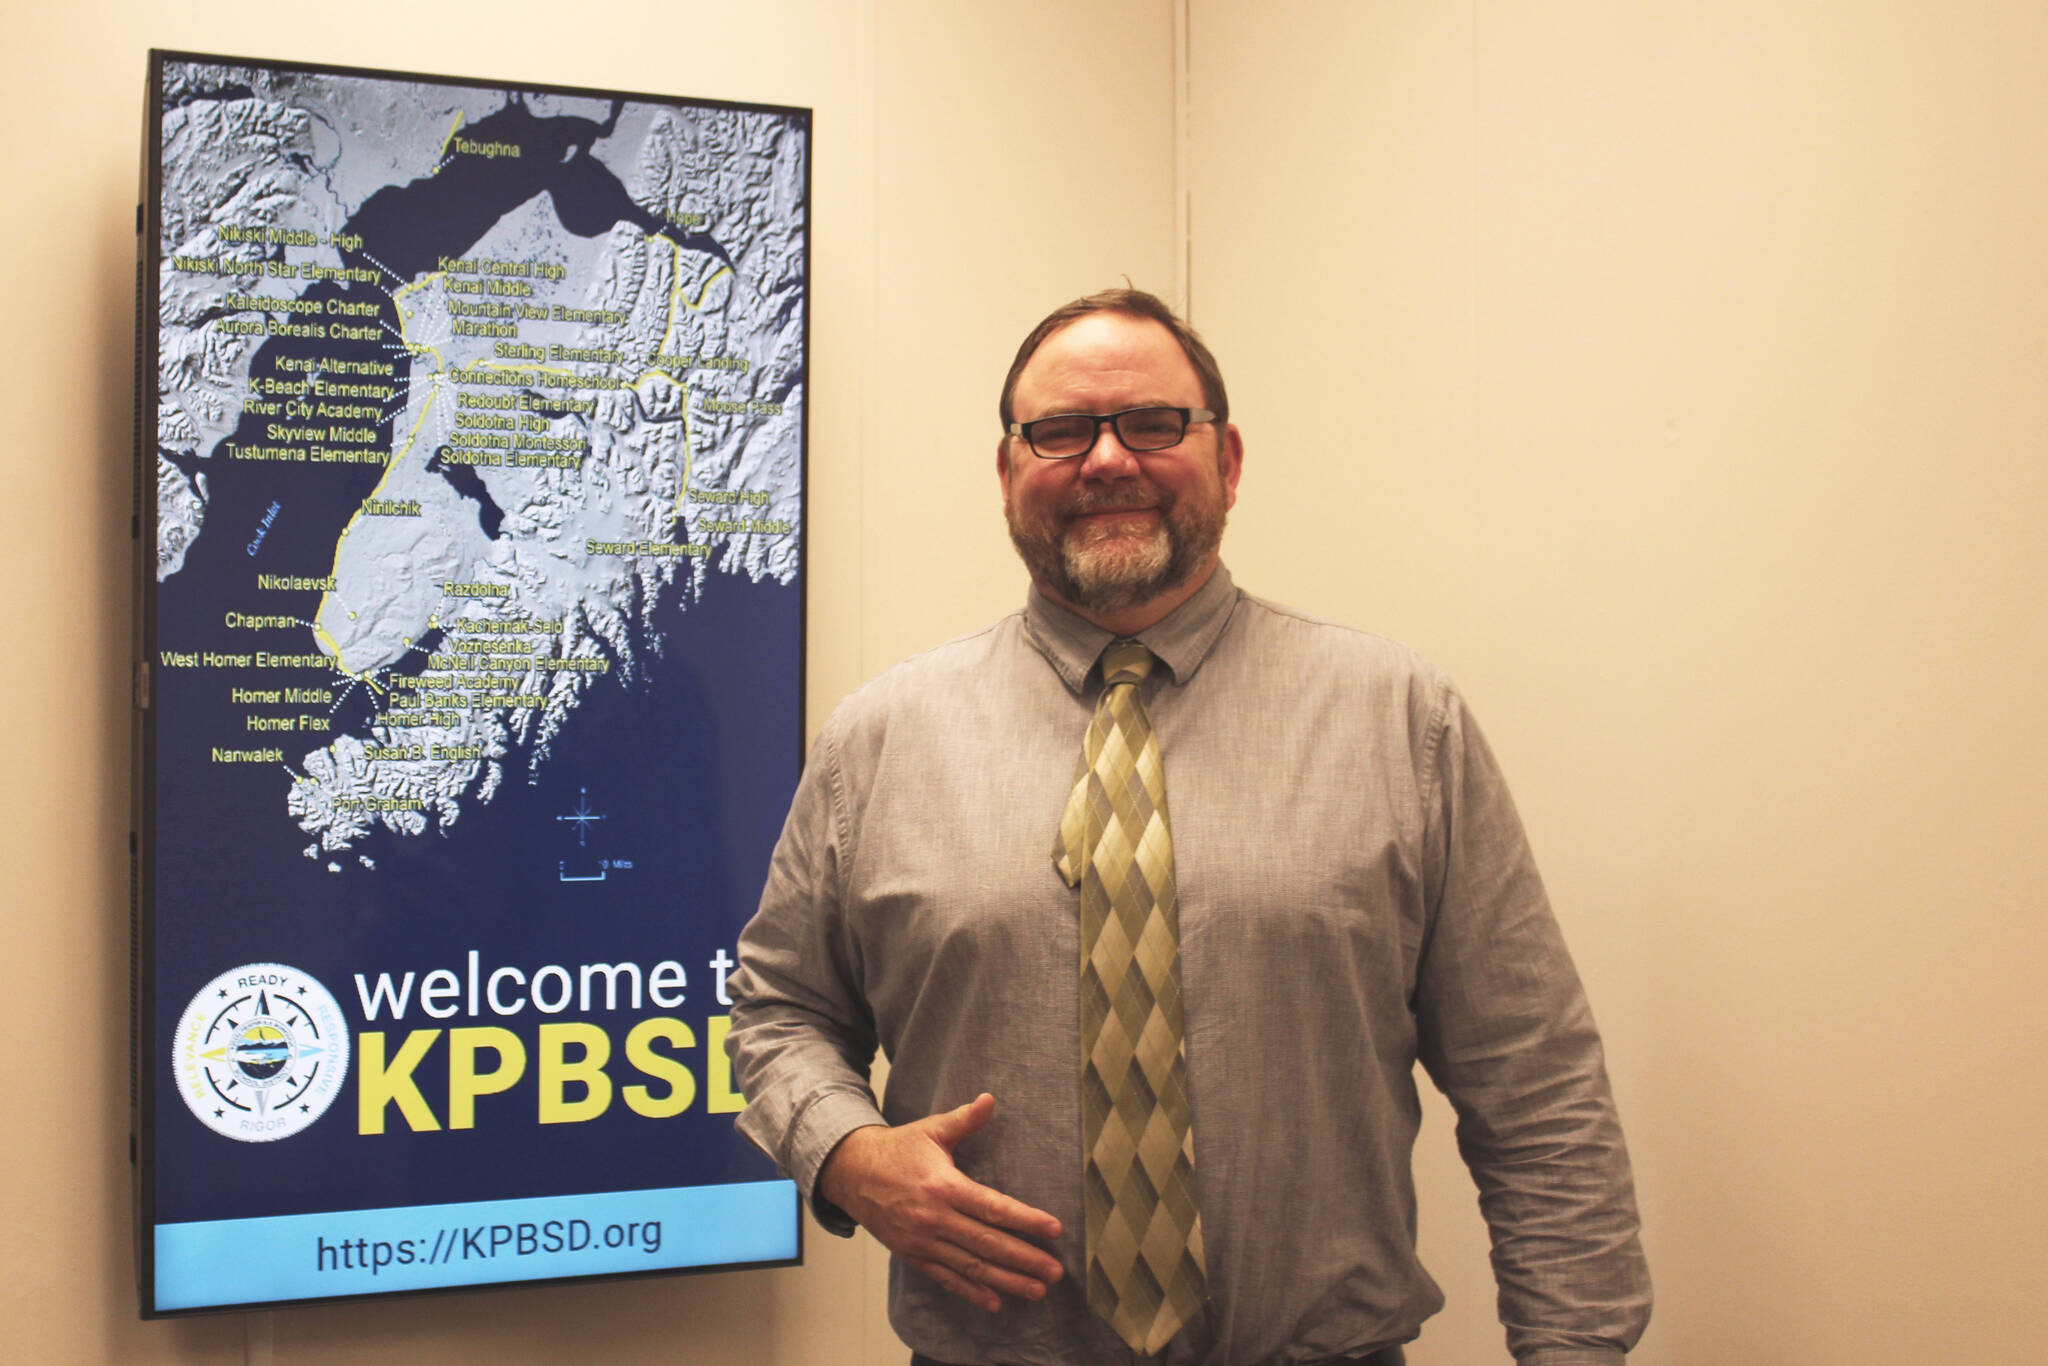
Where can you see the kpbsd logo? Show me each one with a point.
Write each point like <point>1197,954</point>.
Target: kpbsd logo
<point>260,1053</point>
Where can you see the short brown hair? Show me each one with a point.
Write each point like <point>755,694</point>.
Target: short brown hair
<point>1135,303</point>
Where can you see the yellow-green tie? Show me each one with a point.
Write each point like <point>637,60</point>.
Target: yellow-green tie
<point>1144,1235</point>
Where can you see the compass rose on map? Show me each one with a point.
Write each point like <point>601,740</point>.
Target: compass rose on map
<point>582,817</point>
<point>583,868</point>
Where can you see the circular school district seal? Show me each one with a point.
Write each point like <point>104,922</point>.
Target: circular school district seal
<point>260,1053</point>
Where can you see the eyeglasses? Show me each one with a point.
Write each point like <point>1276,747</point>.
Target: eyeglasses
<point>1140,429</point>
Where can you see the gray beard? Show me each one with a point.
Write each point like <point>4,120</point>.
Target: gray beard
<point>1111,575</point>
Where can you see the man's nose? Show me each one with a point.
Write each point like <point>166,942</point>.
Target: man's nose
<point>1109,457</point>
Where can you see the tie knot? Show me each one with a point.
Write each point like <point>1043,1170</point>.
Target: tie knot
<point>1125,661</point>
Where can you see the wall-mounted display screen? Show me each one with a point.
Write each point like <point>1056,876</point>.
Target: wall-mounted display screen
<point>470,462</point>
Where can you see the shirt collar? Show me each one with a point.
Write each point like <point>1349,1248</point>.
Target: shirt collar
<point>1181,639</point>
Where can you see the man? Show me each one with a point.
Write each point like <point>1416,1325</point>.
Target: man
<point>1168,1116</point>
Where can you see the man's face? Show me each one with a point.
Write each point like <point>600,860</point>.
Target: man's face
<point>1122,537</point>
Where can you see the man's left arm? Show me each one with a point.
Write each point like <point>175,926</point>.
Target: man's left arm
<point>1505,1030</point>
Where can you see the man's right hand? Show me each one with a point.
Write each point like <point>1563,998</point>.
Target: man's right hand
<point>901,1185</point>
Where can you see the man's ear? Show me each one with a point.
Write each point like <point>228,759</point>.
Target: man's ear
<point>1230,462</point>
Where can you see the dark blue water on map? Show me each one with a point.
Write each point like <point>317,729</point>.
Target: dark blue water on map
<point>466,481</point>
<point>686,767</point>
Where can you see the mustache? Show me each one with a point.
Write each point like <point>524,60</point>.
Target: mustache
<point>1113,500</point>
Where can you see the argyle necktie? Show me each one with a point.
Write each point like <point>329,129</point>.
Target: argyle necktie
<point>1145,1270</point>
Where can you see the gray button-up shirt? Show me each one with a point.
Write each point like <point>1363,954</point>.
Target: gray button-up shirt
<point>1356,895</point>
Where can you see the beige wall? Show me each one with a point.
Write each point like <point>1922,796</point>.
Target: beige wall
<point>1672,374</point>
<point>933,137</point>
<point>1677,376</point>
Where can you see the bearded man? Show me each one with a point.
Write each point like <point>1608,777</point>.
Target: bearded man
<point>1154,894</point>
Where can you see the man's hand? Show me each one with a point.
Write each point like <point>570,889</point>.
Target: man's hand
<point>901,1185</point>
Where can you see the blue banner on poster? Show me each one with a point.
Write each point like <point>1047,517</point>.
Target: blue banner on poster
<point>472,665</point>
<point>424,1247</point>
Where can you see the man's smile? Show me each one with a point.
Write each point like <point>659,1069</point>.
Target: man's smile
<point>1110,516</point>
<point>1109,509</point>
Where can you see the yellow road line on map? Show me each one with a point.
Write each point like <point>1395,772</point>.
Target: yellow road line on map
<point>420,283</point>
<point>453,129</point>
<point>417,348</point>
<point>320,633</point>
<point>675,296</point>
<point>709,281</point>
<point>675,514</point>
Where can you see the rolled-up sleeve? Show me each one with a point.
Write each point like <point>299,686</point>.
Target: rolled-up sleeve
<point>1505,1030</point>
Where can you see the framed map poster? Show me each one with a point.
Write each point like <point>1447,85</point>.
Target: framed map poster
<point>471,495</point>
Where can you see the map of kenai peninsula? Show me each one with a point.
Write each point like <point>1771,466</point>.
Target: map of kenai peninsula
<point>462,392</point>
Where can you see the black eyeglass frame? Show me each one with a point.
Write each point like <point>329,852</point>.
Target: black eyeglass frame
<point>1188,418</point>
